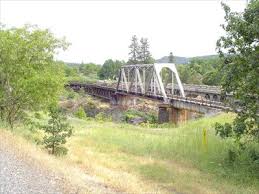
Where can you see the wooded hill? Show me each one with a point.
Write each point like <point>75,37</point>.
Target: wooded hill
<point>184,60</point>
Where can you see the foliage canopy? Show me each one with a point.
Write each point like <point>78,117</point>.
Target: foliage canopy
<point>110,69</point>
<point>30,78</point>
<point>239,49</point>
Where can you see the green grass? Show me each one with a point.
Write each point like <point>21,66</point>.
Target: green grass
<point>175,143</point>
<point>156,172</point>
<point>172,158</point>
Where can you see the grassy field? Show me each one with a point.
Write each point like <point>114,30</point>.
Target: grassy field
<point>138,159</point>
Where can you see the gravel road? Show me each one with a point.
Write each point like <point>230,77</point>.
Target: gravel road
<point>17,176</point>
<point>23,173</point>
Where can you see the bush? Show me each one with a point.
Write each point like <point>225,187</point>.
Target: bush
<point>102,117</point>
<point>71,95</point>
<point>128,116</point>
<point>80,113</point>
<point>132,114</point>
<point>91,108</point>
<point>37,115</point>
<point>61,151</point>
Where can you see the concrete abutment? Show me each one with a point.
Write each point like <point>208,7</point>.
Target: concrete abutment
<point>123,101</point>
<point>168,113</point>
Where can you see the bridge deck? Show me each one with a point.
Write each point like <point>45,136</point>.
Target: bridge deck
<point>106,92</point>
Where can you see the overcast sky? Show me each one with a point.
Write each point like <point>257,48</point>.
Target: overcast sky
<point>99,30</point>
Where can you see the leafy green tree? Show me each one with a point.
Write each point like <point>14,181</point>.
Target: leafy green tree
<point>201,71</point>
<point>189,76</point>
<point>240,50</point>
<point>71,71</point>
<point>56,131</point>
<point>30,78</point>
<point>110,69</point>
<point>212,77</point>
<point>89,69</point>
<point>134,51</point>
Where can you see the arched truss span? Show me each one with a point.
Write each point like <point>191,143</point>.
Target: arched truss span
<point>145,79</point>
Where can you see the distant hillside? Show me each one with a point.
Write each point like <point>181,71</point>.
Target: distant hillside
<point>177,60</point>
<point>183,60</point>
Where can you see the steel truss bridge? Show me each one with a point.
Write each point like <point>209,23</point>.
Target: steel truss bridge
<point>145,81</point>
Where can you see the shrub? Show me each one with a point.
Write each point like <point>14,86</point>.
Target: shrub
<point>80,113</point>
<point>71,95</point>
<point>102,117</point>
<point>37,115</point>
<point>61,151</point>
<point>91,108</point>
<point>131,114</point>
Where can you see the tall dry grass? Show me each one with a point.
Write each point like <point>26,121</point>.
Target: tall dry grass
<point>168,159</point>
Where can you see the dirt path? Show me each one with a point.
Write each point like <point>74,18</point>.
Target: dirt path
<point>21,173</point>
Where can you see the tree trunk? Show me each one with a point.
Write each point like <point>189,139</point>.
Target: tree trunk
<point>53,149</point>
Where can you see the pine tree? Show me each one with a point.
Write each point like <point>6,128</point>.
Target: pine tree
<point>171,58</point>
<point>134,50</point>
<point>167,73</point>
<point>56,131</point>
<point>144,53</point>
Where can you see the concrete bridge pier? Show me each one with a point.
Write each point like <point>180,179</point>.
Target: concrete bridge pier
<point>123,101</point>
<point>168,113</point>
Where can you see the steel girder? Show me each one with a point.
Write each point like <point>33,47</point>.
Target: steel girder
<point>145,79</point>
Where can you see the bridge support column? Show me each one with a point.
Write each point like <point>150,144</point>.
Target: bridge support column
<point>163,114</point>
<point>123,100</point>
<point>171,114</point>
<point>178,115</point>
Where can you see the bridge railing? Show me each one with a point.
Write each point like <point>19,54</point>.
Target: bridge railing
<point>209,103</point>
<point>204,102</point>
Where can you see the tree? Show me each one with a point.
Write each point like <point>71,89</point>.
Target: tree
<point>110,69</point>
<point>240,50</point>
<point>57,130</point>
<point>71,71</point>
<point>201,71</point>
<point>171,58</point>
<point>30,78</point>
<point>134,50</point>
<point>89,69</point>
<point>167,73</point>
<point>185,74</point>
<point>144,53</point>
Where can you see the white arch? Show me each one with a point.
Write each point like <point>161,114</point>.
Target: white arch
<point>147,80</point>
<point>158,68</point>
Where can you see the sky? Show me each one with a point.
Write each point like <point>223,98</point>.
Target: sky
<point>100,30</point>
